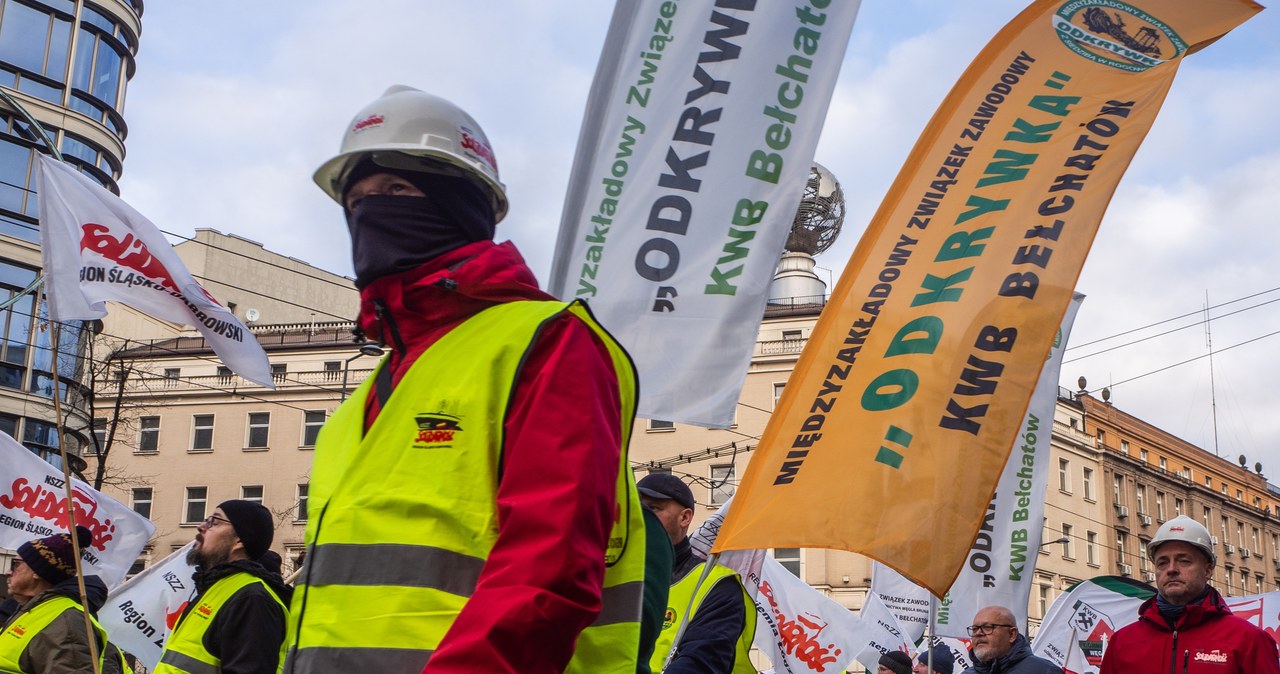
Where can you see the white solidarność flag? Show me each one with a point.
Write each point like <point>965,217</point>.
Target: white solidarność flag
<point>97,248</point>
<point>799,629</point>
<point>139,614</point>
<point>33,504</point>
<point>695,147</point>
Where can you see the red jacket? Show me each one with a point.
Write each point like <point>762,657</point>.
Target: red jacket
<point>541,584</point>
<point>1207,639</point>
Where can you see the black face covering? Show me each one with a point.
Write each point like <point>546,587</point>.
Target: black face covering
<point>391,234</point>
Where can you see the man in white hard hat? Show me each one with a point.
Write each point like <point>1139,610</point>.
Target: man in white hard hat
<point>1187,627</point>
<point>472,505</point>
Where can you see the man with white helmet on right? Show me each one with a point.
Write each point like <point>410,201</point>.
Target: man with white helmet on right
<point>1187,628</point>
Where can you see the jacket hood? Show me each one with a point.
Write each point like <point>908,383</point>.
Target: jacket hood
<point>396,309</point>
<point>1021,651</point>
<point>205,579</point>
<point>94,589</point>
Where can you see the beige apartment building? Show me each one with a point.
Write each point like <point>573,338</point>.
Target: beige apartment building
<point>199,435</point>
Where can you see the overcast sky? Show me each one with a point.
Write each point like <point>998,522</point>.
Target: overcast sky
<point>235,103</point>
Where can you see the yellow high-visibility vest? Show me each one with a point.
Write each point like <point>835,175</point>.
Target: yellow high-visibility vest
<point>677,603</point>
<point>184,650</point>
<point>403,517</point>
<point>22,629</point>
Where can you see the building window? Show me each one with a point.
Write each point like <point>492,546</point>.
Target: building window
<point>1091,548</point>
<point>1206,517</point>
<point>1164,464</point>
<point>789,558</point>
<point>251,492</point>
<point>1117,490</point>
<point>1143,562</point>
<point>1064,476</point>
<point>1044,600</point>
<point>660,425</point>
<point>1142,499</point>
<point>1121,541</point>
<point>1160,506</point>
<point>99,436</point>
<point>224,374</point>
<point>312,422</point>
<point>1239,495</point>
<point>332,369</point>
<point>278,371</point>
<point>171,375</point>
<point>259,429</point>
<point>141,501</point>
<point>777,393</point>
<point>300,514</point>
<point>1066,544</point>
<point>193,505</point>
<point>202,432</point>
<point>148,434</point>
<point>722,483</point>
<point>1208,481</point>
<point>1087,484</point>
<point>1177,506</point>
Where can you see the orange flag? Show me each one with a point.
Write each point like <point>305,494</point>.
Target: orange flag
<point>894,427</point>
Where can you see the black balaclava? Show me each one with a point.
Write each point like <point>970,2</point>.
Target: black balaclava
<point>392,234</point>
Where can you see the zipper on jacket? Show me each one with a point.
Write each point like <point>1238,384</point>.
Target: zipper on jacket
<point>1173,657</point>
<point>1186,656</point>
<point>388,323</point>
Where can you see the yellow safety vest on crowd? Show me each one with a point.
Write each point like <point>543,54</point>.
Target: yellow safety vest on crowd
<point>18,635</point>
<point>184,650</point>
<point>678,601</point>
<point>404,517</point>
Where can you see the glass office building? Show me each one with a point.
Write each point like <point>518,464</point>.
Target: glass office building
<point>67,64</point>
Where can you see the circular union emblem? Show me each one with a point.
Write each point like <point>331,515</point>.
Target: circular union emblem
<point>668,618</point>
<point>1116,34</point>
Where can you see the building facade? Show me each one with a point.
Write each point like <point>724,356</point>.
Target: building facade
<point>201,435</point>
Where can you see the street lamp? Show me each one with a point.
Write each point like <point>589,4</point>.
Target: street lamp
<point>1064,539</point>
<point>366,349</point>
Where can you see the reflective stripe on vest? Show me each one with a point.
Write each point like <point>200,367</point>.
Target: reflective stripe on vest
<point>23,628</point>
<point>184,650</point>
<point>409,507</point>
<point>678,600</point>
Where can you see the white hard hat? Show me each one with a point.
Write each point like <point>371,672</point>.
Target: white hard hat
<point>1185,529</point>
<point>411,130</point>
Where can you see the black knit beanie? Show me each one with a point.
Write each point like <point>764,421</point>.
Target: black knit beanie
<point>897,662</point>
<point>52,557</point>
<point>253,524</point>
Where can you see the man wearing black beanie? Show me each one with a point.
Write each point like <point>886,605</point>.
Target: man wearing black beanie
<point>235,623</point>
<point>47,633</point>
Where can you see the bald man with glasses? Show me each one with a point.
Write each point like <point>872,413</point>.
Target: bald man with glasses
<point>998,648</point>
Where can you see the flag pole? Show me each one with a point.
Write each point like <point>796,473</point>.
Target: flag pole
<point>57,412</point>
<point>675,641</point>
<point>56,329</point>
<point>933,617</point>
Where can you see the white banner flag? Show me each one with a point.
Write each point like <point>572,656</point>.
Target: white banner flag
<point>908,602</point>
<point>97,248</point>
<point>33,504</point>
<point>139,614</point>
<point>798,628</point>
<point>886,634</point>
<point>695,148</point>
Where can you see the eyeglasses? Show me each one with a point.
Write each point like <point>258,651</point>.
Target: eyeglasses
<point>213,520</point>
<point>983,630</point>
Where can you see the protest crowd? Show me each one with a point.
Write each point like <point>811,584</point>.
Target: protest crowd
<point>473,506</point>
